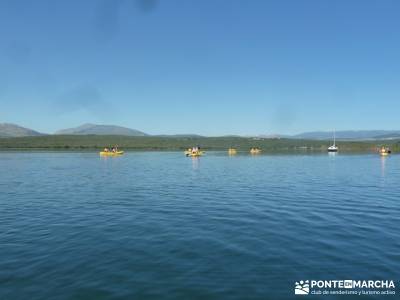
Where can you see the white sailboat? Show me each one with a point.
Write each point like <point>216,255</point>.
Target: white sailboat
<point>333,148</point>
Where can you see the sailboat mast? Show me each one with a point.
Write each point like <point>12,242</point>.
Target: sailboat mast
<point>334,137</point>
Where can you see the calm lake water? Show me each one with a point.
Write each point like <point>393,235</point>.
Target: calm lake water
<point>163,226</point>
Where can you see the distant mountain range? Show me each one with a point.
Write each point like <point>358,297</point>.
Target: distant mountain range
<point>101,130</point>
<point>392,136</point>
<point>12,130</point>
<point>181,135</point>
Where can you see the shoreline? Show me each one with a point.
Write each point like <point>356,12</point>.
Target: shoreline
<point>94,143</point>
<point>217,152</point>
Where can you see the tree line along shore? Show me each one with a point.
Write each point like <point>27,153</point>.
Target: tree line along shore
<point>157,143</point>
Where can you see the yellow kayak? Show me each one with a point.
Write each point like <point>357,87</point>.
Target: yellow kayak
<point>232,151</point>
<point>194,154</point>
<point>255,151</point>
<point>111,153</point>
<point>385,151</point>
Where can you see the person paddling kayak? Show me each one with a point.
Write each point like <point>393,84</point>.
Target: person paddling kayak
<point>112,151</point>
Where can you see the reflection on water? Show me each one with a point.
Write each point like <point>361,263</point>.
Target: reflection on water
<point>195,162</point>
<point>383,165</point>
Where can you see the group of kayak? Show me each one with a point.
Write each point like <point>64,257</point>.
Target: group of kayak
<point>191,152</point>
<point>196,151</point>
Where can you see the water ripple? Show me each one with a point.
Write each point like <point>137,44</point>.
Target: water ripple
<point>158,225</point>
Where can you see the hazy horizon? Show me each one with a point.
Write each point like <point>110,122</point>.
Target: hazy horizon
<point>227,134</point>
<point>200,67</point>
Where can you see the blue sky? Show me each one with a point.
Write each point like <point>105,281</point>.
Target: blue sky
<point>209,67</point>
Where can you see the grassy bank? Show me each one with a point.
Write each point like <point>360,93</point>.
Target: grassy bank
<point>94,142</point>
